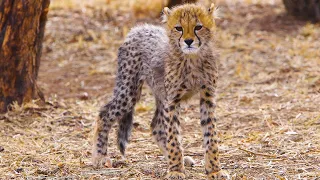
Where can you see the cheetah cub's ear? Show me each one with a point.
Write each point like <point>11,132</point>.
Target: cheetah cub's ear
<point>215,12</point>
<point>166,14</point>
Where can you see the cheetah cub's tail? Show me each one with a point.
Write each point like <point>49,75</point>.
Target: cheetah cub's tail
<point>124,131</point>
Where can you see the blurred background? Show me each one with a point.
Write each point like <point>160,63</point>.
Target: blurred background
<point>267,101</point>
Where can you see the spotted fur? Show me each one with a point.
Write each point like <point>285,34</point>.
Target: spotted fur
<point>176,61</point>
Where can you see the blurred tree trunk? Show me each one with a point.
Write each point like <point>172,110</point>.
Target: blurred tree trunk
<point>308,9</point>
<point>22,24</point>
<point>177,2</point>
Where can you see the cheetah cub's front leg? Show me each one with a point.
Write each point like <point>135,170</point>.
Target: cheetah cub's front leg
<point>172,130</point>
<point>159,132</point>
<point>174,150</point>
<point>210,137</point>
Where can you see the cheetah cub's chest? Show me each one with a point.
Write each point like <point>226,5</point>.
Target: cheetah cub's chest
<point>192,73</point>
<point>191,77</point>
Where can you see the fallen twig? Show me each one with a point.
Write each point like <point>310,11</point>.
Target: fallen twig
<point>258,154</point>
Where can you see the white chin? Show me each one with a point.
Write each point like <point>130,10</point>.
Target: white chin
<point>190,50</point>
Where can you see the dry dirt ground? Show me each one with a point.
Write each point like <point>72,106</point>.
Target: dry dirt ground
<point>268,99</point>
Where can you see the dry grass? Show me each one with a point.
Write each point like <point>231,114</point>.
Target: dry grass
<point>268,99</point>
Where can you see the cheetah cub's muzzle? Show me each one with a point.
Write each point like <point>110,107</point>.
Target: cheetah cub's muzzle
<point>190,43</point>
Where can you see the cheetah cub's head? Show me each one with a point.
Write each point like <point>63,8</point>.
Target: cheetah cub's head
<point>189,26</point>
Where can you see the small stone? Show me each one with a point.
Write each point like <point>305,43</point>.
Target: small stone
<point>135,124</point>
<point>120,163</point>
<point>1,149</point>
<point>19,170</point>
<point>188,161</point>
<point>108,163</point>
<point>84,96</point>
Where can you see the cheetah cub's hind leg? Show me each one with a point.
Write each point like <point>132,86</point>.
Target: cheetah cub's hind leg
<point>157,127</point>
<point>121,110</point>
<point>126,93</point>
<point>100,138</point>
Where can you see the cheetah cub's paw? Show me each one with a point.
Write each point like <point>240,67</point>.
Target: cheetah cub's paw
<point>100,161</point>
<point>222,174</point>
<point>174,175</point>
<point>188,161</point>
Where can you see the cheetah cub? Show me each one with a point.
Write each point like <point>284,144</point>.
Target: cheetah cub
<point>176,61</point>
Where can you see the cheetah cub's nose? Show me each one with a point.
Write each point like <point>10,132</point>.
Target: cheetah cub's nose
<point>188,41</point>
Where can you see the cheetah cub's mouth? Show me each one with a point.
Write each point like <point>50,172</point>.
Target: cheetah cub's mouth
<point>190,50</point>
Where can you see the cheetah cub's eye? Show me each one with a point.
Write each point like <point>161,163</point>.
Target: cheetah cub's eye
<point>179,28</point>
<point>198,27</point>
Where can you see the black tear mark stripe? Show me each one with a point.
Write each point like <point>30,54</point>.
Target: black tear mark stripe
<point>197,37</point>
<point>181,34</point>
